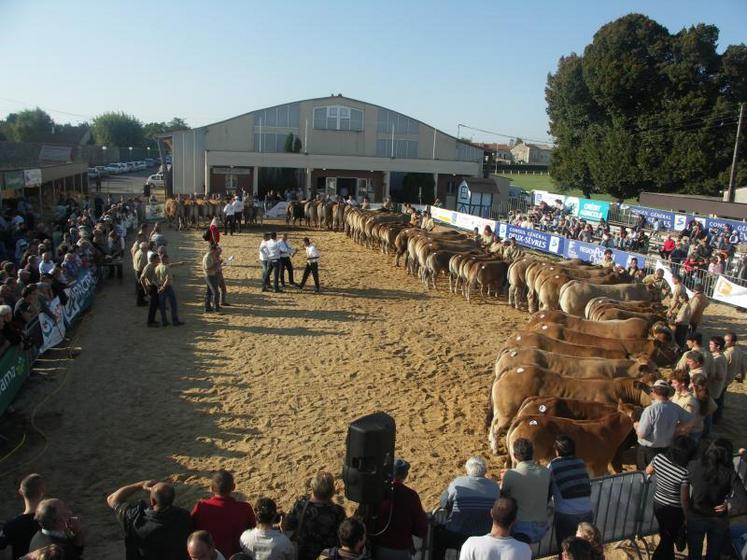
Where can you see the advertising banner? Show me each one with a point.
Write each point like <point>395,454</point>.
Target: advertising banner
<point>15,365</point>
<point>14,180</point>
<point>444,215</point>
<point>532,239</point>
<point>79,297</point>
<point>155,212</point>
<point>53,328</point>
<point>593,210</point>
<point>651,214</point>
<point>32,177</point>
<point>278,211</point>
<point>719,223</point>
<point>546,197</point>
<point>729,292</point>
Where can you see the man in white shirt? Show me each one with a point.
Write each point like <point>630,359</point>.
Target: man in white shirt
<point>351,201</point>
<point>273,265</point>
<point>264,261</point>
<point>200,546</point>
<point>229,222</point>
<point>286,253</point>
<point>498,544</point>
<point>238,211</point>
<point>312,264</point>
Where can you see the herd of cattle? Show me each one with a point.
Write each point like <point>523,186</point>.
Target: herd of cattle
<point>582,365</point>
<point>190,211</point>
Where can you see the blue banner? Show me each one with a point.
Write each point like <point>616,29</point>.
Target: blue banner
<point>531,238</point>
<point>720,223</point>
<point>593,253</point>
<point>666,218</point>
<point>593,210</point>
<point>79,297</point>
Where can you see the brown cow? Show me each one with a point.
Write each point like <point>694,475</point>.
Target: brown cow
<point>544,342</point>
<point>573,366</point>
<point>512,387</point>
<point>631,328</point>
<point>574,295</point>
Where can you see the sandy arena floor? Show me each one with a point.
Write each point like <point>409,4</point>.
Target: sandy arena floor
<point>267,388</point>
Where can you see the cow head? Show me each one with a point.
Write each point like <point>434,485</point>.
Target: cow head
<point>632,411</point>
<point>644,392</point>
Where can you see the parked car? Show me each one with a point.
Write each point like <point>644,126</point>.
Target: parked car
<point>112,169</point>
<point>155,180</point>
<point>101,170</point>
<point>93,173</point>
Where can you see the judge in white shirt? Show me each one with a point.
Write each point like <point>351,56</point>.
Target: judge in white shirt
<point>312,264</point>
<point>273,265</point>
<point>286,253</point>
<point>238,212</point>
<point>229,223</point>
<point>264,261</point>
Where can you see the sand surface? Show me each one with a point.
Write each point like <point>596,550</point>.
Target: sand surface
<point>267,388</point>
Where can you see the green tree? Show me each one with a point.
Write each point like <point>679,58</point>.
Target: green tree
<point>32,125</point>
<point>119,129</point>
<point>176,123</point>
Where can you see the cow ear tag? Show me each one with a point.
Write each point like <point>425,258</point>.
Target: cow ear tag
<point>518,337</point>
<point>513,354</point>
<point>544,327</point>
<point>542,408</point>
<point>520,370</point>
<point>532,422</point>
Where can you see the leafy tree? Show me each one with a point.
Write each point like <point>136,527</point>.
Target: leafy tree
<point>32,125</point>
<point>644,109</point>
<point>176,124</point>
<point>118,129</point>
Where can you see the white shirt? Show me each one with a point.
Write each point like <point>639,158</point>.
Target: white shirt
<point>273,250</point>
<point>238,206</point>
<point>494,548</point>
<point>263,251</point>
<point>46,267</point>
<point>229,209</point>
<point>286,249</point>
<point>352,202</point>
<point>262,544</point>
<point>312,252</point>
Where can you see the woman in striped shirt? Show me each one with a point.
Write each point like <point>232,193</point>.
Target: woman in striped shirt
<point>671,471</point>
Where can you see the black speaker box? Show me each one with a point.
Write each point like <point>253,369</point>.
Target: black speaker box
<point>369,458</point>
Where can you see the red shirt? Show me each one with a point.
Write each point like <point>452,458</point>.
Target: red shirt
<point>668,245</point>
<point>405,517</point>
<point>225,519</point>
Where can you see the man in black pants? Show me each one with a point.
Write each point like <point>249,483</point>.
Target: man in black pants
<point>312,264</point>
<point>286,253</point>
<point>149,282</point>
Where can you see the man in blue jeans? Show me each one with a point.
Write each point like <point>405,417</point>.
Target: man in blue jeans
<point>570,487</point>
<point>166,291</point>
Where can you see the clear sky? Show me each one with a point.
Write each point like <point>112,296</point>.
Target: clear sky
<point>481,63</point>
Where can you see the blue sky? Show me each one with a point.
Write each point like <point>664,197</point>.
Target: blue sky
<point>479,63</point>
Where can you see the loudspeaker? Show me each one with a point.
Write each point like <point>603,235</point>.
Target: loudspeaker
<point>369,458</point>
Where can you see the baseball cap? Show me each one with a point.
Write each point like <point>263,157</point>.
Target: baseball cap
<point>401,466</point>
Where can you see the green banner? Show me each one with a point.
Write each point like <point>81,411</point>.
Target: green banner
<point>14,180</point>
<point>15,366</point>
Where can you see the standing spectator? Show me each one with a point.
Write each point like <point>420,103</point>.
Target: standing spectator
<point>717,377</point>
<point>352,537</point>
<point>166,292</point>
<point>529,484</point>
<point>238,212</point>
<point>229,224</point>
<point>400,517</point>
<point>273,261</point>
<point>679,293</point>
<point>710,481</point>
<point>200,546</point>
<point>139,261</point>
<point>633,269</point>
<point>58,526</point>
<point>498,544</point>
<point>265,542</point>
<point>694,342</point>
<point>264,261</point>
<point>154,531</point>
<point>18,531</point>
<point>149,281</point>
<point>224,517</point>
<point>314,520</point>
<point>25,310</point>
<point>608,261</point>
<point>287,252</point>
<point>679,319</point>
<point>671,471</point>
<point>312,264</point>
<point>698,303</point>
<point>212,290</point>
<point>734,359</point>
<point>659,423</point>
<point>570,487</point>
<point>468,500</point>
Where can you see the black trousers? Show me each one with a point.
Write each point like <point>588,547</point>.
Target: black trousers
<point>229,224</point>
<point>671,519</point>
<point>237,218</point>
<point>153,304</point>
<point>645,455</point>
<point>286,264</point>
<point>313,269</point>
<point>680,334</point>
<point>273,267</point>
<point>139,292</point>
<point>443,539</point>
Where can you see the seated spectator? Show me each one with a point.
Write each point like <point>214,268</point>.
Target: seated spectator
<point>671,472</point>
<point>352,537</point>
<point>265,542</point>
<point>314,520</point>
<point>710,481</point>
<point>576,548</point>
<point>716,266</point>
<point>498,543</point>
<point>18,531</point>
<point>224,517</point>
<point>58,526</point>
<point>529,484</point>
<point>401,517</point>
<point>667,248</point>
<point>25,311</point>
<point>570,487</point>
<point>468,500</point>
<point>155,530</point>
<point>200,546</point>
<point>679,253</point>
<point>590,533</point>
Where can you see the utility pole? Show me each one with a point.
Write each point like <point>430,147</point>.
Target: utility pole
<point>733,175</point>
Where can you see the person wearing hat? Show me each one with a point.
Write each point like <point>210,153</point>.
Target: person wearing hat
<point>401,517</point>
<point>660,422</point>
<point>698,303</point>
